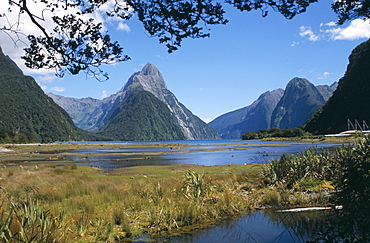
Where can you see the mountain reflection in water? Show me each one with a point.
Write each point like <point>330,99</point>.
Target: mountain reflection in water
<point>201,152</point>
<point>260,227</point>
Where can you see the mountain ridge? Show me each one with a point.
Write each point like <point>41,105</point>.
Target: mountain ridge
<point>148,79</point>
<point>235,123</point>
<point>351,100</point>
<point>26,108</point>
<point>300,101</point>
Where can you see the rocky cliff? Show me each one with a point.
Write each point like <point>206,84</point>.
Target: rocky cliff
<point>142,117</point>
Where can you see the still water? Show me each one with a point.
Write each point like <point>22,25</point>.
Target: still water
<point>201,152</point>
<point>261,226</point>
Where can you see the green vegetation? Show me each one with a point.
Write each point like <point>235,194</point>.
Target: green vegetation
<point>26,109</point>
<point>142,117</point>
<point>274,132</point>
<point>47,203</point>
<point>80,204</point>
<point>16,137</point>
<point>351,99</point>
<point>30,113</point>
<point>305,168</point>
<point>346,169</point>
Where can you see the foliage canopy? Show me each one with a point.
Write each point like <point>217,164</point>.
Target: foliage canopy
<point>77,43</point>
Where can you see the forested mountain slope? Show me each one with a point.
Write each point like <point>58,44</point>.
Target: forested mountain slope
<point>351,99</point>
<point>26,108</point>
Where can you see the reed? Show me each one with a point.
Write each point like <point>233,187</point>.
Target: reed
<point>79,204</point>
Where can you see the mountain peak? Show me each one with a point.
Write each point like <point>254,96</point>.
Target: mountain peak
<point>298,82</point>
<point>300,100</point>
<point>150,69</point>
<point>150,79</point>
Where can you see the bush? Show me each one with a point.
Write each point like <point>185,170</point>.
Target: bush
<point>353,182</point>
<point>276,132</point>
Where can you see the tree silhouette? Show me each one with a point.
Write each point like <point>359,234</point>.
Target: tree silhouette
<point>77,43</point>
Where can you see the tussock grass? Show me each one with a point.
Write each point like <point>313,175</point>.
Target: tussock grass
<point>82,204</point>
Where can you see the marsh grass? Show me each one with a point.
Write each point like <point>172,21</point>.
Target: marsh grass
<point>82,204</point>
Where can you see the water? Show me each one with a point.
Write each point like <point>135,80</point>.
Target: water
<point>201,152</point>
<point>259,227</point>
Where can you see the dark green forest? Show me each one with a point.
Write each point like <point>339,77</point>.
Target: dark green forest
<point>275,132</point>
<point>351,100</point>
<point>145,118</point>
<point>26,109</point>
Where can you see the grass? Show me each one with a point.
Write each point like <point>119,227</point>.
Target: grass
<point>82,204</point>
<point>70,203</point>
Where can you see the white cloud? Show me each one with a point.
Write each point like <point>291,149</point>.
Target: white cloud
<point>46,78</point>
<point>294,43</point>
<point>43,87</point>
<point>201,89</point>
<point>306,31</point>
<point>331,24</point>
<point>13,45</point>
<point>104,94</point>
<point>124,27</point>
<point>324,75</point>
<point>207,120</point>
<point>57,89</point>
<point>357,29</point>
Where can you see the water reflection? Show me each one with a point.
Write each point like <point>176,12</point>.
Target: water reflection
<point>270,226</point>
<point>208,152</point>
<point>259,227</point>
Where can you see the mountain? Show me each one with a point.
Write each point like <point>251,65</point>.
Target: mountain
<point>300,101</point>
<point>250,118</point>
<point>142,117</point>
<point>327,91</point>
<point>26,108</point>
<point>95,114</point>
<point>84,112</point>
<point>289,108</point>
<point>351,100</point>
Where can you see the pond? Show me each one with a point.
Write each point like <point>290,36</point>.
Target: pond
<point>201,152</point>
<point>260,227</point>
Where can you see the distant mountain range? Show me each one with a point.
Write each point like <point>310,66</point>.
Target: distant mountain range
<point>144,109</point>
<point>125,116</point>
<point>291,107</point>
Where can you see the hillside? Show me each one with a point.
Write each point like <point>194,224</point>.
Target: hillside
<point>26,108</point>
<point>84,112</point>
<point>142,117</point>
<point>300,101</point>
<point>95,114</point>
<point>250,118</point>
<point>351,100</point>
<point>278,108</point>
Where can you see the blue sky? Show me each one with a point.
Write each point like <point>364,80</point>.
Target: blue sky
<point>229,70</point>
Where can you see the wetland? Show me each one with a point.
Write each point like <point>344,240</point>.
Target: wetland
<point>192,191</point>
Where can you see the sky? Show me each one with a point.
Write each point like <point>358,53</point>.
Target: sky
<point>212,76</point>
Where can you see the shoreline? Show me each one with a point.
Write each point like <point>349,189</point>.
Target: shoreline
<point>128,202</point>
